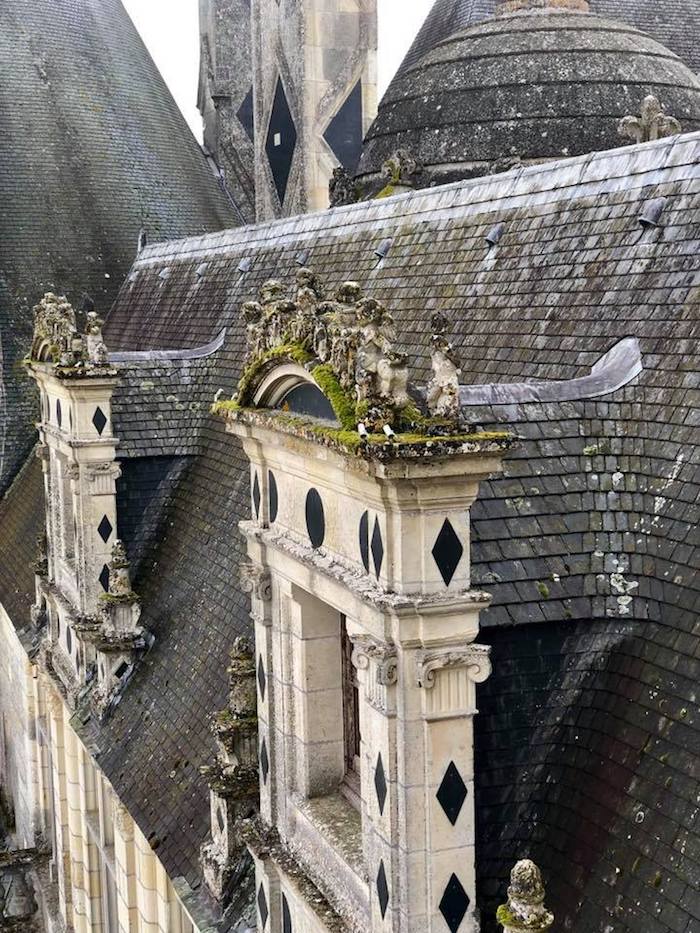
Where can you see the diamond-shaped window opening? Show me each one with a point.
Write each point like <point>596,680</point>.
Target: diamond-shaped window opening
<point>377,548</point>
<point>380,783</point>
<point>264,761</point>
<point>286,916</point>
<point>281,141</point>
<point>262,906</point>
<point>382,889</point>
<point>262,680</point>
<point>344,133</point>
<point>447,552</point>
<point>99,419</point>
<point>104,529</point>
<point>364,540</point>
<point>104,578</point>
<point>452,793</point>
<point>454,904</point>
<point>59,412</point>
<point>256,496</point>
<point>245,115</point>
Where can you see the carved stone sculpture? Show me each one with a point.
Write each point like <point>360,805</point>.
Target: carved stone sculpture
<point>401,170</point>
<point>95,345</point>
<point>525,911</point>
<point>651,124</point>
<point>54,329</point>
<point>342,189</point>
<point>443,388</point>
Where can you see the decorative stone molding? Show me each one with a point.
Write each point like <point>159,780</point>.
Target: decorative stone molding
<point>257,581</point>
<point>102,476</point>
<point>525,911</point>
<point>381,662</point>
<point>474,658</point>
<point>651,124</point>
<point>123,821</point>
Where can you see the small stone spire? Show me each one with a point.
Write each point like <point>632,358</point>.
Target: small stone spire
<point>651,124</point>
<point>505,7</point>
<point>525,911</point>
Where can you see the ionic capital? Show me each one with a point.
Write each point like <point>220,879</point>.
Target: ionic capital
<point>474,659</point>
<point>257,581</point>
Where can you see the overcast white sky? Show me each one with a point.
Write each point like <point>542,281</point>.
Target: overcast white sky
<point>170,30</point>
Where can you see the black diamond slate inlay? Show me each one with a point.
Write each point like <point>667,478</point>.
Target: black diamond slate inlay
<point>454,904</point>
<point>286,916</point>
<point>256,496</point>
<point>262,680</point>
<point>315,519</point>
<point>447,552</point>
<point>364,540</point>
<point>382,889</point>
<point>245,115</point>
<point>344,132</point>
<point>104,578</point>
<point>262,906</point>
<point>104,529</point>
<point>281,141</point>
<point>264,761</point>
<point>452,793</point>
<point>377,548</point>
<point>273,496</point>
<point>59,412</point>
<point>380,783</point>
<point>99,419</point>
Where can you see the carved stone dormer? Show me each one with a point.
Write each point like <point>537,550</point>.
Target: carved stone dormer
<point>365,620</point>
<point>233,777</point>
<point>652,123</point>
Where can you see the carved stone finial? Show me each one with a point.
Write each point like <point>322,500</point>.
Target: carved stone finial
<point>401,169</point>
<point>342,189</point>
<point>525,911</point>
<point>443,388</point>
<point>651,124</point>
<point>55,330</point>
<point>119,578</point>
<point>95,345</point>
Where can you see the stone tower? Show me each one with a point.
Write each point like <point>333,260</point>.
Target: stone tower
<point>365,621</point>
<point>287,92</point>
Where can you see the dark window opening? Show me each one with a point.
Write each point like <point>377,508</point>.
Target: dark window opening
<point>351,719</point>
<point>307,399</point>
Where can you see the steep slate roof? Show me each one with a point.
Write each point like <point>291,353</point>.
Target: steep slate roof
<point>587,729</point>
<point>673,23</point>
<point>93,148</point>
<point>539,84</point>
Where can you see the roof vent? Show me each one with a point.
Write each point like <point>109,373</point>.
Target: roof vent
<point>493,237</point>
<point>164,274</point>
<point>651,215</point>
<point>200,270</point>
<point>245,265</point>
<point>302,258</point>
<point>382,251</point>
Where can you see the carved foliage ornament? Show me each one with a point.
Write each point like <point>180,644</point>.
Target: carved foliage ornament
<point>256,581</point>
<point>355,337</point>
<point>651,124</point>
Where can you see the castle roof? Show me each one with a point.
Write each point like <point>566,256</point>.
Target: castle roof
<point>532,85</point>
<point>586,729</point>
<point>93,149</point>
<point>673,23</point>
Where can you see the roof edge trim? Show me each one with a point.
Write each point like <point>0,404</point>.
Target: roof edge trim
<point>151,356</point>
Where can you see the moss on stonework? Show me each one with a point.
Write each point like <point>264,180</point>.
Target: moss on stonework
<point>505,916</point>
<point>341,401</point>
<point>249,377</point>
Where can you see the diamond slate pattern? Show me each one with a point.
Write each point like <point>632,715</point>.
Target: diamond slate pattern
<point>262,906</point>
<point>452,793</point>
<point>447,551</point>
<point>382,889</point>
<point>262,680</point>
<point>364,540</point>
<point>104,529</point>
<point>454,904</point>
<point>99,420</point>
<point>380,783</point>
<point>377,548</point>
<point>273,496</point>
<point>59,413</point>
<point>344,132</point>
<point>264,761</point>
